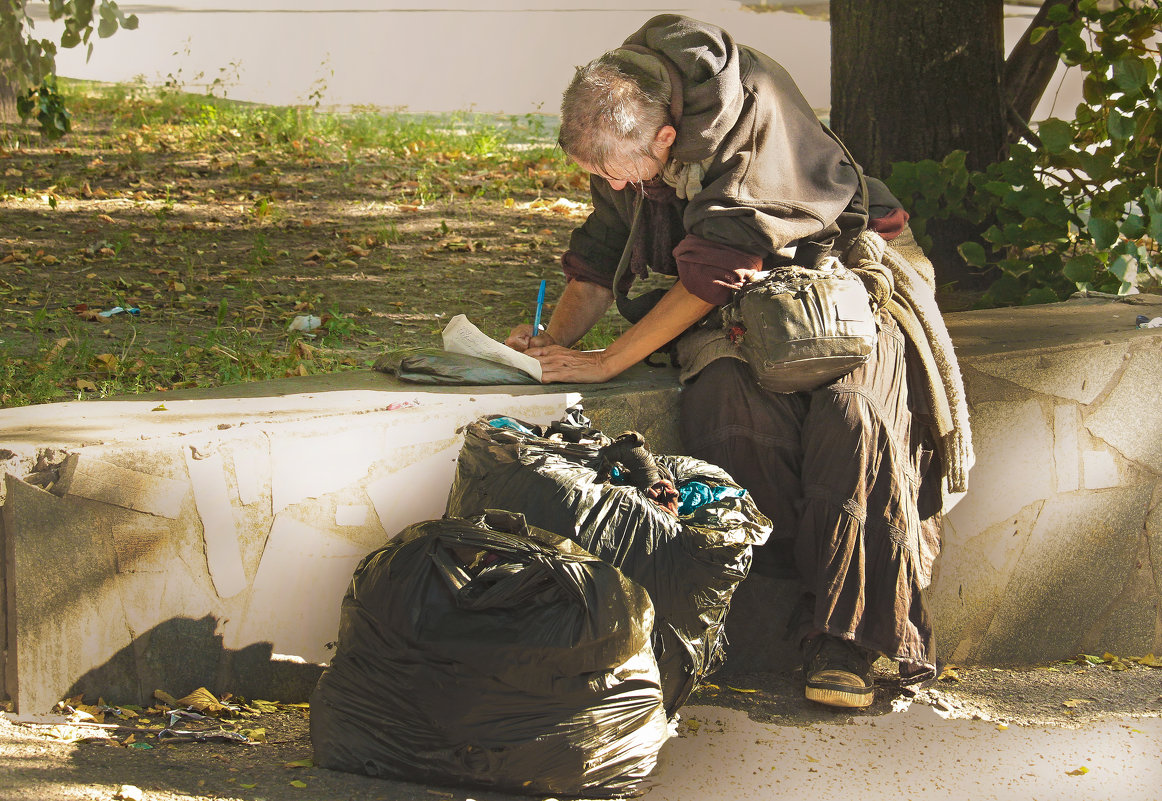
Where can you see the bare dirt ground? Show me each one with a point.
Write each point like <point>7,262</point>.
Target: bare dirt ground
<point>220,232</point>
<point>51,764</point>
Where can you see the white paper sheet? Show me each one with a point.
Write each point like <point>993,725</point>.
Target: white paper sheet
<point>461,336</point>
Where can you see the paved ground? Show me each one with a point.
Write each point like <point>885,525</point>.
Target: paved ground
<point>1057,733</point>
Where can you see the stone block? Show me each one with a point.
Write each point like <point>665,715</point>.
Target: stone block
<point>1066,447</point>
<point>1073,373</point>
<point>88,477</point>
<point>1076,560</point>
<point>1014,465</point>
<point>1126,419</point>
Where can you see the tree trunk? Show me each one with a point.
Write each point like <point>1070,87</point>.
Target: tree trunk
<point>8,115</point>
<point>914,79</point>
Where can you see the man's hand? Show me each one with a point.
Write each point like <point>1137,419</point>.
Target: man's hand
<point>572,366</point>
<point>521,338</point>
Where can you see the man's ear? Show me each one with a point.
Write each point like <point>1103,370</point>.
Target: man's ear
<point>665,136</point>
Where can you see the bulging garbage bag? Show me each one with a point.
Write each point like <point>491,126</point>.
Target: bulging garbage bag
<point>486,653</point>
<point>690,553</point>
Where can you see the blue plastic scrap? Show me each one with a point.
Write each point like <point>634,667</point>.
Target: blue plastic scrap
<point>694,495</point>
<point>508,422</point>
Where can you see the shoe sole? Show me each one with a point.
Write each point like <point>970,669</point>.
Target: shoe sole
<point>847,699</point>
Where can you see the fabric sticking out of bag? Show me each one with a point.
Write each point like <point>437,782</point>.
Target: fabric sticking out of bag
<point>689,564</point>
<point>484,653</point>
<point>694,495</point>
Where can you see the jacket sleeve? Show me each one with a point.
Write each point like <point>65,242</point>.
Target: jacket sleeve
<point>596,246</point>
<point>712,271</point>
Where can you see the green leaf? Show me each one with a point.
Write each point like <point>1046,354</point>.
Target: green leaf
<point>1125,268</point>
<point>1104,232</point>
<point>1131,74</point>
<point>1093,89</point>
<point>973,253</point>
<point>1040,295</point>
<point>1081,269</point>
<point>1152,197</point>
<point>1099,166</point>
<point>1056,135</point>
<point>955,160</point>
<point>1134,226</point>
<point>1120,126</point>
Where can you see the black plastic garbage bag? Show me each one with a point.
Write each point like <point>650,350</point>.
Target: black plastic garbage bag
<point>484,653</point>
<point>690,563</point>
<point>436,366</point>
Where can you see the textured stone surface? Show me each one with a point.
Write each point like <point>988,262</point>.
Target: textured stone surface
<point>1077,373</point>
<point>1127,419</point>
<point>1014,447</point>
<point>1076,560</point>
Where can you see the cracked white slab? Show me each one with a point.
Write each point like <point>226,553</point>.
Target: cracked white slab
<point>219,526</point>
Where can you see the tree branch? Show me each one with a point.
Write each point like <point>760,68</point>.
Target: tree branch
<point>1030,67</point>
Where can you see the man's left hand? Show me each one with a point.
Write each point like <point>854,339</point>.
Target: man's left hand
<point>566,365</point>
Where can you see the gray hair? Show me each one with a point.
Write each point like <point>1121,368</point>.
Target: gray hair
<point>607,113</point>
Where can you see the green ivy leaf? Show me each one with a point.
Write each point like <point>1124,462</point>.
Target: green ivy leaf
<point>1081,269</point>
<point>1125,267</point>
<point>1120,126</point>
<point>1134,226</point>
<point>1099,166</point>
<point>1131,75</point>
<point>1038,295</point>
<point>1056,135</point>
<point>1104,232</point>
<point>1060,13</point>
<point>973,253</point>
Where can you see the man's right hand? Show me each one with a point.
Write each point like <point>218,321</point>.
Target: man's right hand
<point>521,338</point>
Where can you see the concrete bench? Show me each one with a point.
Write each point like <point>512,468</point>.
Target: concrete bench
<point>206,538</point>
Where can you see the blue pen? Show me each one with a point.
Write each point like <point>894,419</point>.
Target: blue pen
<point>540,308</point>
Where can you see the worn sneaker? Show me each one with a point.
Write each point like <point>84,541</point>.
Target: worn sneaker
<point>838,672</point>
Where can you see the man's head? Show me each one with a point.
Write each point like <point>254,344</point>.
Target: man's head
<point>616,125</point>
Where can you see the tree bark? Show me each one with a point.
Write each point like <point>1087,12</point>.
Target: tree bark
<point>913,80</point>
<point>8,115</point>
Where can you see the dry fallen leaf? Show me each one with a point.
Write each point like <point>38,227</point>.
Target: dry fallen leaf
<point>1079,772</point>
<point>203,701</point>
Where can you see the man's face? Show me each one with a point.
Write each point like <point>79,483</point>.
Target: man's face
<point>636,168</point>
<point>623,171</point>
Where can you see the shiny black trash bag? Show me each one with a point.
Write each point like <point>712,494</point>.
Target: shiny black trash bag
<point>690,564</point>
<point>487,654</point>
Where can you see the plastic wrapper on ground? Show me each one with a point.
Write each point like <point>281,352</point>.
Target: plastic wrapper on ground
<point>483,653</point>
<point>690,564</point>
